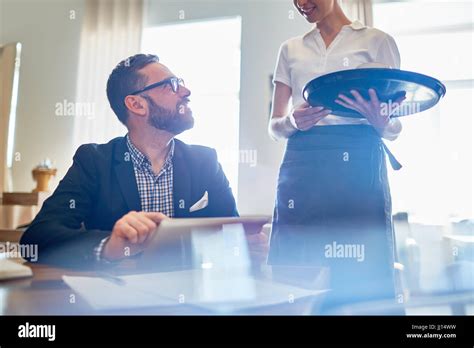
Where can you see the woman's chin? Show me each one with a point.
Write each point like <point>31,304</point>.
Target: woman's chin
<point>313,19</point>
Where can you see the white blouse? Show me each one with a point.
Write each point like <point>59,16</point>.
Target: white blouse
<point>304,58</point>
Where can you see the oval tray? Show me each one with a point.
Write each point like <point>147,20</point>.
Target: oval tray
<point>422,92</point>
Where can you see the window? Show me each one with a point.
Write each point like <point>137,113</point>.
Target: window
<point>435,147</point>
<point>206,54</point>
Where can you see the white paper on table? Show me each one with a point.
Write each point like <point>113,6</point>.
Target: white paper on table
<point>183,287</point>
<point>103,294</point>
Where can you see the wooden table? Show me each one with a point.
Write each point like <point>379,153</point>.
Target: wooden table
<point>46,294</point>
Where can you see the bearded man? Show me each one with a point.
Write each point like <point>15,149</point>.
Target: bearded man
<point>115,195</point>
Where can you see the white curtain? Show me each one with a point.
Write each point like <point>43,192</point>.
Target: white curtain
<point>358,9</point>
<point>9,77</point>
<point>111,32</point>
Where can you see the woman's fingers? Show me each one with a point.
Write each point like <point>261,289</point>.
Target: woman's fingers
<point>346,100</point>
<point>304,117</point>
<point>313,116</point>
<point>306,122</point>
<point>361,101</point>
<point>346,105</point>
<point>371,110</point>
<point>308,111</point>
<point>305,125</point>
<point>359,104</point>
<point>374,99</point>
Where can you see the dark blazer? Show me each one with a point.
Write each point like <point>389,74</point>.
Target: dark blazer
<point>100,187</point>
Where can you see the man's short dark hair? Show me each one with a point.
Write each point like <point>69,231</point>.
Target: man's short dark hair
<point>126,79</point>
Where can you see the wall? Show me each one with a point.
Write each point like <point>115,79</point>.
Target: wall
<point>48,74</point>
<point>265,25</point>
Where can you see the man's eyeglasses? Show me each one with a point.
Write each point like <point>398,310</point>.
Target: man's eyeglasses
<point>174,82</point>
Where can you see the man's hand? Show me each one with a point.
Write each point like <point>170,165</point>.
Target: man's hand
<point>305,117</point>
<point>130,234</point>
<point>371,109</point>
<point>258,247</point>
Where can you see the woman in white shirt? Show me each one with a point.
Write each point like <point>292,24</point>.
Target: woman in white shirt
<point>333,204</point>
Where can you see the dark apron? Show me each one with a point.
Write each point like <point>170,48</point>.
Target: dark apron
<point>333,209</point>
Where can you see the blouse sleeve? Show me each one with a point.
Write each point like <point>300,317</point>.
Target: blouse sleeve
<point>282,69</point>
<point>388,54</point>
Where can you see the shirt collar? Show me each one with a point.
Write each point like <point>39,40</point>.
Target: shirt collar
<point>139,158</point>
<point>355,25</point>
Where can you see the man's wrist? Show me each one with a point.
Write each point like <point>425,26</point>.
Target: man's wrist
<point>99,253</point>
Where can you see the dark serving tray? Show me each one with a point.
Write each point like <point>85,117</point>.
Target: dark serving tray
<point>422,92</point>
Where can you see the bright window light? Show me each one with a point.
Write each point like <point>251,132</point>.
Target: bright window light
<point>206,54</point>
<point>435,147</point>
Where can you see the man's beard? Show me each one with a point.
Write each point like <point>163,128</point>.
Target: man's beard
<point>173,121</point>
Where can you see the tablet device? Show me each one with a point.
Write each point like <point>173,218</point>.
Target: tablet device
<point>171,245</point>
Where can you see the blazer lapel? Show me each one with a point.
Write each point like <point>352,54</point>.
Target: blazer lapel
<point>181,182</point>
<point>126,176</point>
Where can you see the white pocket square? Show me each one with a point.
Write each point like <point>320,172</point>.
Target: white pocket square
<point>201,204</point>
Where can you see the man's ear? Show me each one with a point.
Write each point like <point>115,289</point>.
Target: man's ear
<point>136,104</point>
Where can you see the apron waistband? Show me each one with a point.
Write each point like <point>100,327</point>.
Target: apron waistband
<point>347,133</point>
